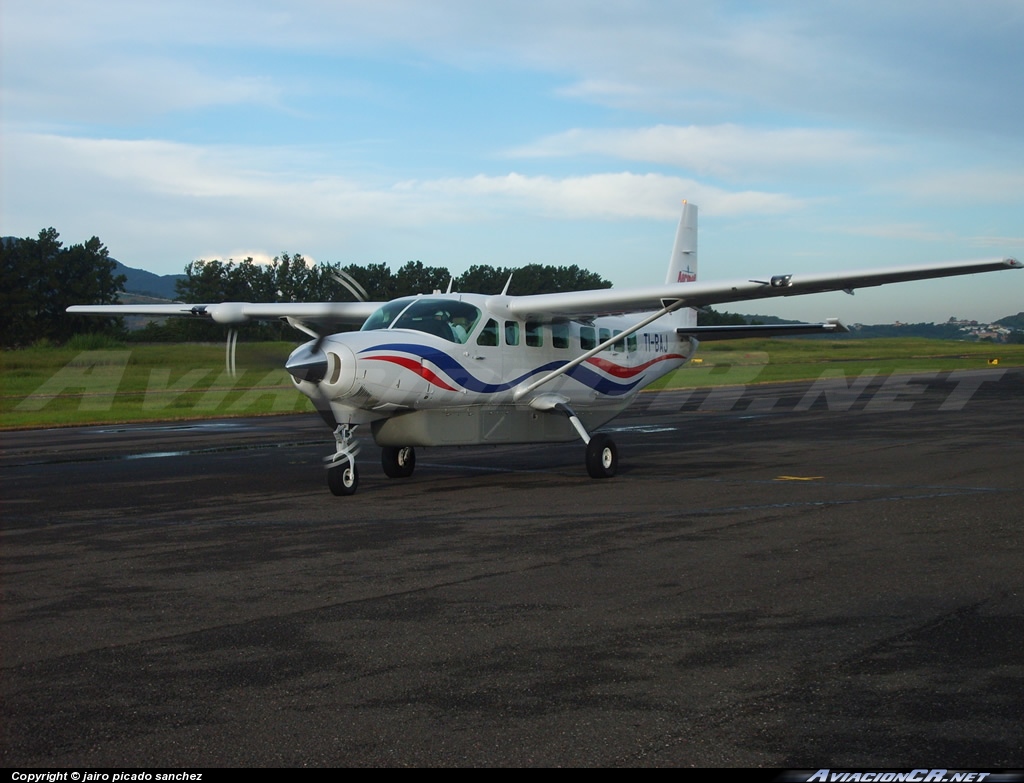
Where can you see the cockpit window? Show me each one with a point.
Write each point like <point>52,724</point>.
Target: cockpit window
<point>449,319</point>
<point>383,317</point>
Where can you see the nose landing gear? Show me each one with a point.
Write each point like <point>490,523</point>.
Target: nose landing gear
<point>342,473</point>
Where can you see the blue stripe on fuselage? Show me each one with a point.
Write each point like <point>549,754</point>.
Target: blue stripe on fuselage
<point>460,375</point>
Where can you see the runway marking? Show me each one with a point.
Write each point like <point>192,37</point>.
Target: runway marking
<point>193,425</point>
<point>72,458</point>
<point>711,511</point>
<point>642,428</point>
<point>482,468</point>
<point>928,490</point>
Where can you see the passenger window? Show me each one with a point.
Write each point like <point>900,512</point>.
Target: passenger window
<point>631,343</point>
<point>619,345</point>
<point>511,332</point>
<point>534,334</point>
<point>489,334</point>
<point>560,334</point>
<point>588,338</point>
<point>604,335</point>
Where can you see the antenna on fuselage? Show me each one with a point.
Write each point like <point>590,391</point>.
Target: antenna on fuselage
<point>504,291</point>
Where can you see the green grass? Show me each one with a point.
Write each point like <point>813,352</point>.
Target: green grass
<point>773,361</point>
<point>53,387</point>
<point>94,382</point>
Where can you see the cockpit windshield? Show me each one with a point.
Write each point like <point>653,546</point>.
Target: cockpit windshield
<point>384,316</point>
<point>450,319</point>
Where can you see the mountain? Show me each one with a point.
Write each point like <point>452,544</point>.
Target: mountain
<point>139,281</point>
<point>1012,322</point>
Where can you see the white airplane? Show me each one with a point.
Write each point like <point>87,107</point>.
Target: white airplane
<point>459,369</point>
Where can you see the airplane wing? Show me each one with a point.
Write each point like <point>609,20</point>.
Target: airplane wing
<point>589,304</point>
<point>234,313</point>
<point>573,304</point>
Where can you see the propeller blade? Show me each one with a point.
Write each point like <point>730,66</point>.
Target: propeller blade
<point>229,353</point>
<point>351,284</point>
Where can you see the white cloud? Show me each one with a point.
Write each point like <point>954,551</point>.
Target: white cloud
<point>721,150</point>
<point>175,200</point>
<point>917,232</point>
<point>922,232</point>
<point>273,179</point>
<point>982,184</point>
<point>125,89</point>
<point>901,64</point>
<point>614,195</point>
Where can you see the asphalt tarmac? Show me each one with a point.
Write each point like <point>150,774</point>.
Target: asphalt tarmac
<point>789,576</point>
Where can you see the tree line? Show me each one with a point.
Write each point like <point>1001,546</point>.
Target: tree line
<point>40,278</point>
<point>290,278</point>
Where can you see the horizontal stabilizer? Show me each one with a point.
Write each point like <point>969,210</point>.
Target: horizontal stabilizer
<point>746,331</point>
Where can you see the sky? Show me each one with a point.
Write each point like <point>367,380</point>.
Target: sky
<point>813,136</point>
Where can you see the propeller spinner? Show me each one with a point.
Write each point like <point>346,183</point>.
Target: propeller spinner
<point>308,362</point>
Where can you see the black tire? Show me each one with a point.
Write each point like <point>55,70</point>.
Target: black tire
<point>398,461</point>
<point>343,480</point>
<point>602,457</point>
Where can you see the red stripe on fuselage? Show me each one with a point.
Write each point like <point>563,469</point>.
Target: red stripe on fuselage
<point>628,372</point>
<point>414,366</point>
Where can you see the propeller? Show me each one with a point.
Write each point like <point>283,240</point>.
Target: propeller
<point>343,277</point>
<point>229,359</point>
<point>309,362</point>
<point>232,313</point>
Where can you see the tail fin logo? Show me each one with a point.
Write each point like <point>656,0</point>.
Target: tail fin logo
<point>687,275</point>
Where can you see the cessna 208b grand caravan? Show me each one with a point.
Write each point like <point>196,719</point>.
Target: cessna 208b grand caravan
<point>459,369</point>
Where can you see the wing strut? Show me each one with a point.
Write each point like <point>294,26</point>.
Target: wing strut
<point>671,307</point>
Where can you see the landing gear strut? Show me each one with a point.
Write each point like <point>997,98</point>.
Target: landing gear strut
<point>602,453</point>
<point>342,473</point>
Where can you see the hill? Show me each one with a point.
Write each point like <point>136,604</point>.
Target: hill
<point>139,281</point>
<point>1015,322</point>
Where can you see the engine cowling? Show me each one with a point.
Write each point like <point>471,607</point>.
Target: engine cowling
<point>328,365</point>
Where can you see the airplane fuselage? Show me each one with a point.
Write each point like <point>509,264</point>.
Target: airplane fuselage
<point>446,369</point>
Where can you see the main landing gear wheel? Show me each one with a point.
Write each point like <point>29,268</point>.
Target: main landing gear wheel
<point>602,457</point>
<point>398,461</point>
<point>344,479</point>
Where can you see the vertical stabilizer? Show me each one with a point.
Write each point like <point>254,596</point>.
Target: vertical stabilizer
<point>682,266</point>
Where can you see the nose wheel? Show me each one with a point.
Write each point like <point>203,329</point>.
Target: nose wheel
<point>343,480</point>
<point>342,473</point>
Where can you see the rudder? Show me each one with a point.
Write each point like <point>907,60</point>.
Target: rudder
<point>682,266</point>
